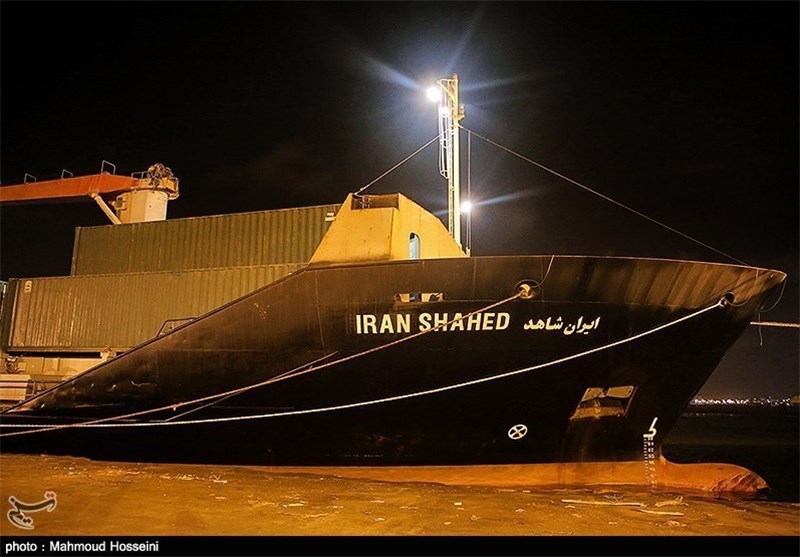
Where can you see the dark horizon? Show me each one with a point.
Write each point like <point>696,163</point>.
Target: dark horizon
<point>687,112</point>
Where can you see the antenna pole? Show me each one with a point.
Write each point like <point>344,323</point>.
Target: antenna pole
<point>450,112</point>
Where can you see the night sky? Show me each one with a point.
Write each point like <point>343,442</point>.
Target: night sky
<point>685,111</point>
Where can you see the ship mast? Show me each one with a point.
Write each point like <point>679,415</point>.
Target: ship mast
<point>450,113</point>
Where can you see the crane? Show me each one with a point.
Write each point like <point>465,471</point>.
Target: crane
<point>141,197</point>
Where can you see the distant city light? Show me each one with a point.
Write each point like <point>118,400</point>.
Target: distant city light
<point>434,93</point>
<point>466,207</point>
<point>762,401</point>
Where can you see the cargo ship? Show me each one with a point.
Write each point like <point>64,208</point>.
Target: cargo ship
<point>359,333</point>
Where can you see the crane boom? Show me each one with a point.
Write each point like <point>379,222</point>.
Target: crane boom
<point>79,188</point>
<point>135,199</point>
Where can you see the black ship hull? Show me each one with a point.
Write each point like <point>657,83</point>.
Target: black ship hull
<point>599,357</point>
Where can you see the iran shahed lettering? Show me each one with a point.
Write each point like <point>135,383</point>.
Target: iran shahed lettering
<point>393,323</point>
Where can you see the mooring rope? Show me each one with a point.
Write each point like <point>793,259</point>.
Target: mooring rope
<point>427,392</point>
<point>277,378</point>
<point>770,308</point>
<point>603,196</point>
<point>776,324</point>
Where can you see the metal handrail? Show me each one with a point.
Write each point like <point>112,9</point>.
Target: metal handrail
<point>174,324</point>
<point>103,167</point>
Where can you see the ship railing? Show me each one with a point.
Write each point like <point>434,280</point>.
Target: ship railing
<point>170,325</point>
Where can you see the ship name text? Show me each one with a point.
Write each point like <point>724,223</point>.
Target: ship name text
<point>582,327</point>
<point>391,323</point>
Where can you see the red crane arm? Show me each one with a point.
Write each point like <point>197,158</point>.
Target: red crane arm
<point>78,188</point>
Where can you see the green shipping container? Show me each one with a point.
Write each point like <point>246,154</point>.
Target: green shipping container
<point>82,314</point>
<point>233,240</point>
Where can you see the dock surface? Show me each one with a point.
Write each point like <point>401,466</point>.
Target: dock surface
<point>111,498</point>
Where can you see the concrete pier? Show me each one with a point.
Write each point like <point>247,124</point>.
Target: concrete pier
<point>110,498</point>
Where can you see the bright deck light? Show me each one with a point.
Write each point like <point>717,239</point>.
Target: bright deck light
<point>466,207</point>
<point>434,94</point>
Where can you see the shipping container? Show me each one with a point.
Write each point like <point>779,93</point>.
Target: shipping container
<point>6,306</point>
<point>238,239</point>
<point>93,313</point>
